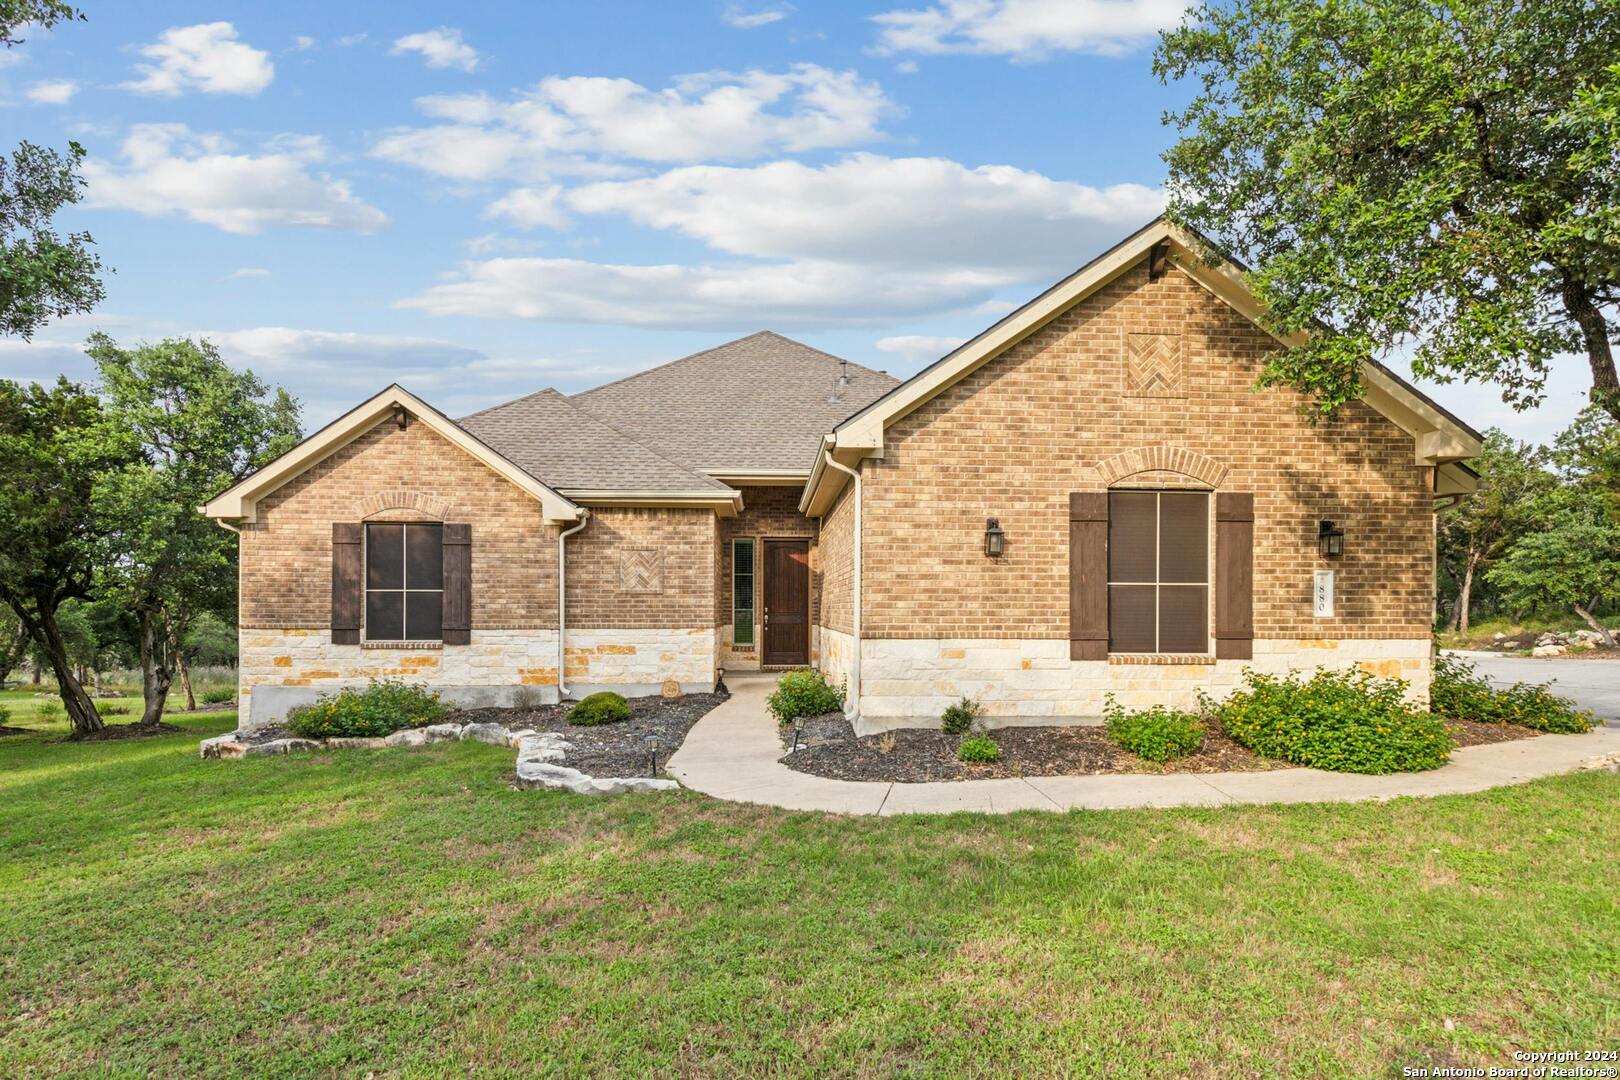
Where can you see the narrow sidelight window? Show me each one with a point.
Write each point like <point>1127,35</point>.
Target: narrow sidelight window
<point>404,582</point>
<point>1158,572</point>
<point>742,592</point>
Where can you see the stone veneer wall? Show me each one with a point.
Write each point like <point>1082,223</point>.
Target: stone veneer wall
<point>908,683</point>
<point>768,511</point>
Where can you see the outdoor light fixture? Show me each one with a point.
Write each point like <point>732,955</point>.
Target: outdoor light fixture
<point>797,727</point>
<point>1330,538</point>
<point>995,541</point>
<point>652,746</point>
<point>401,417</point>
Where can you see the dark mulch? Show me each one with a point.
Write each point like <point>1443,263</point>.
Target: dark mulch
<point>828,747</point>
<point>611,749</point>
<point>114,732</point>
<point>1478,733</point>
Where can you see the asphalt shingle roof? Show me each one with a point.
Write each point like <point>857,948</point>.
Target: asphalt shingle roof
<point>552,439</point>
<point>757,403</point>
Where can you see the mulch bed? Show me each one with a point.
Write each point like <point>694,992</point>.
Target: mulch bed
<point>828,747</point>
<point>611,749</point>
<point>114,732</point>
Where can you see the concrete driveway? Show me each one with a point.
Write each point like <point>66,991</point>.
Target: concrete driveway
<point>1593,684</point>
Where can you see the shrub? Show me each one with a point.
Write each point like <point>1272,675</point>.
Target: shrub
<point>5,714</point>
<point>218,696</point>
<point>1157,734</point>
<point>49,711</point>
<point>1459,692</point>
<point>1346,721</point>
<point>113,710</point>
<point>958,719</point>
<point>526,698</point>
<point>602,707</point>
<point>978,750</point>
<point>385,706</point>
<point>803,693</point>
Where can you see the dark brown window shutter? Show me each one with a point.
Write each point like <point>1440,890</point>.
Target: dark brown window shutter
<point>1088,575</point>
<point>346,566</point>
<point>1234,576</point>
<point>457,584</point>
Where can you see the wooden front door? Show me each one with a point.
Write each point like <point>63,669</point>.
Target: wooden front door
<point>787,603</point>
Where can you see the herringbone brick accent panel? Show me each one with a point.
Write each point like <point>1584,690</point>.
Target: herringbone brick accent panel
<point>641,570</point>
<point>1153,363</point>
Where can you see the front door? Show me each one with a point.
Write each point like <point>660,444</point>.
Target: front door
<point>787,603</point>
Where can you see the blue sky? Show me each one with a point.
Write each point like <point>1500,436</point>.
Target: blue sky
<point>481,200</point>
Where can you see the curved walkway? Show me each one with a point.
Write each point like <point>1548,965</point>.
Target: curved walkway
<point>732,754</point>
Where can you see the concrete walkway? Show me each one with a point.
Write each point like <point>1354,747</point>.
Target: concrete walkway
<point>1592,684</point>
<point>732,754</point>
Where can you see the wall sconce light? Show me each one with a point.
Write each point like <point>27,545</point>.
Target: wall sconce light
<point>401,417</point>
<point>1330,538</point>
<point>995,541</point>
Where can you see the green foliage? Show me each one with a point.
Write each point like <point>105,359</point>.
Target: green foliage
<point>803,692</point>
<point>1446,174</point>
<point>49,712</point>
<point>1461,693</point>
<point>1339,720</point>
<point>385,706</point>
<point>218,696</point>
<point>602,707</point>
<point>1571,561</point>
<point>978,750</point>
<point>211,642</point>
<point>1157,734</point>
<point>113,709</point>
<point>959,719</point>
<point>5,714</point>
<point>16,14</point>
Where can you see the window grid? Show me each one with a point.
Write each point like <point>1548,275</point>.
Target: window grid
<point>404,591</point>
<point>742,592</point>
<point>1158,562</point>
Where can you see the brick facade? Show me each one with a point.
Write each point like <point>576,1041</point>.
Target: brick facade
<point>1065,410</point>
<point>642,568</point>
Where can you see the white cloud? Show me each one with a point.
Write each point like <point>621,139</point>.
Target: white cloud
<point>1026,29</point>
<point>302,42</point>
<point>730,296</point>
<point>205,57</point>
<point>866,209</point>
<point>52,92</point>
<point>581,124</point>
<point>488,244</point>
<point>918,348</point>
<point>249,272</point>
<point>439,48</point>
<point>740,18</point>
<point>168,169</point>
<point>529,207</point>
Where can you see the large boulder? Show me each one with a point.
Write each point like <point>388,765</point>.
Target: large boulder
<point>546,776</point>
<point>442,732</point>
<point>494,734</point>
<point>1549,649</point>
<point>408,737</point>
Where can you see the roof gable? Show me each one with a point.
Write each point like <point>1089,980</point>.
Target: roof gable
<point>240,501</point>
<point>755,405</point>
<point>1439,438</point>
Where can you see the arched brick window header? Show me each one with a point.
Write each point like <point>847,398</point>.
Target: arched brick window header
<point>1161,460</point>
<point>416,502</point>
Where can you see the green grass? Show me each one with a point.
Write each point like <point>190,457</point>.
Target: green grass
<point>405,913</point>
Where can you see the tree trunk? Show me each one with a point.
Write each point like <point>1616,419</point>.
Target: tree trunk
<point>1465,592</point>
<point>1587,617</point>
<point>180,663</point>
<point>1595,333</point>
<point>81,708</point>
<point>156,672</point>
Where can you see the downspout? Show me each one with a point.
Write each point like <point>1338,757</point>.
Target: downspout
<point>562,600</point>
<point>852,707</point>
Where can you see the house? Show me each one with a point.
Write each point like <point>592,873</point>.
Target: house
<point>1088,498</point>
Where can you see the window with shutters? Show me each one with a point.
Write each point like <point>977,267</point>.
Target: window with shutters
<point>1158,572</point>
<point>404,582</point>
<point>742,592</point>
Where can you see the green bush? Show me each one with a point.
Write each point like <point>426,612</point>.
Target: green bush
<point>5,714</point>
<point>218,696</point>
<point>386,706</point>
<point>49,711</point>
<point>1346,721</point>
<point>803,693</point>
<point>112,710</point>
<point>602,707</point>
<point>978,750</point>
<point>1158,734</point>
<point>958,719</point>
<point>1459,692</point>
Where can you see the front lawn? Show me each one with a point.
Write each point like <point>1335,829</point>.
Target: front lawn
<point>404,912</point>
